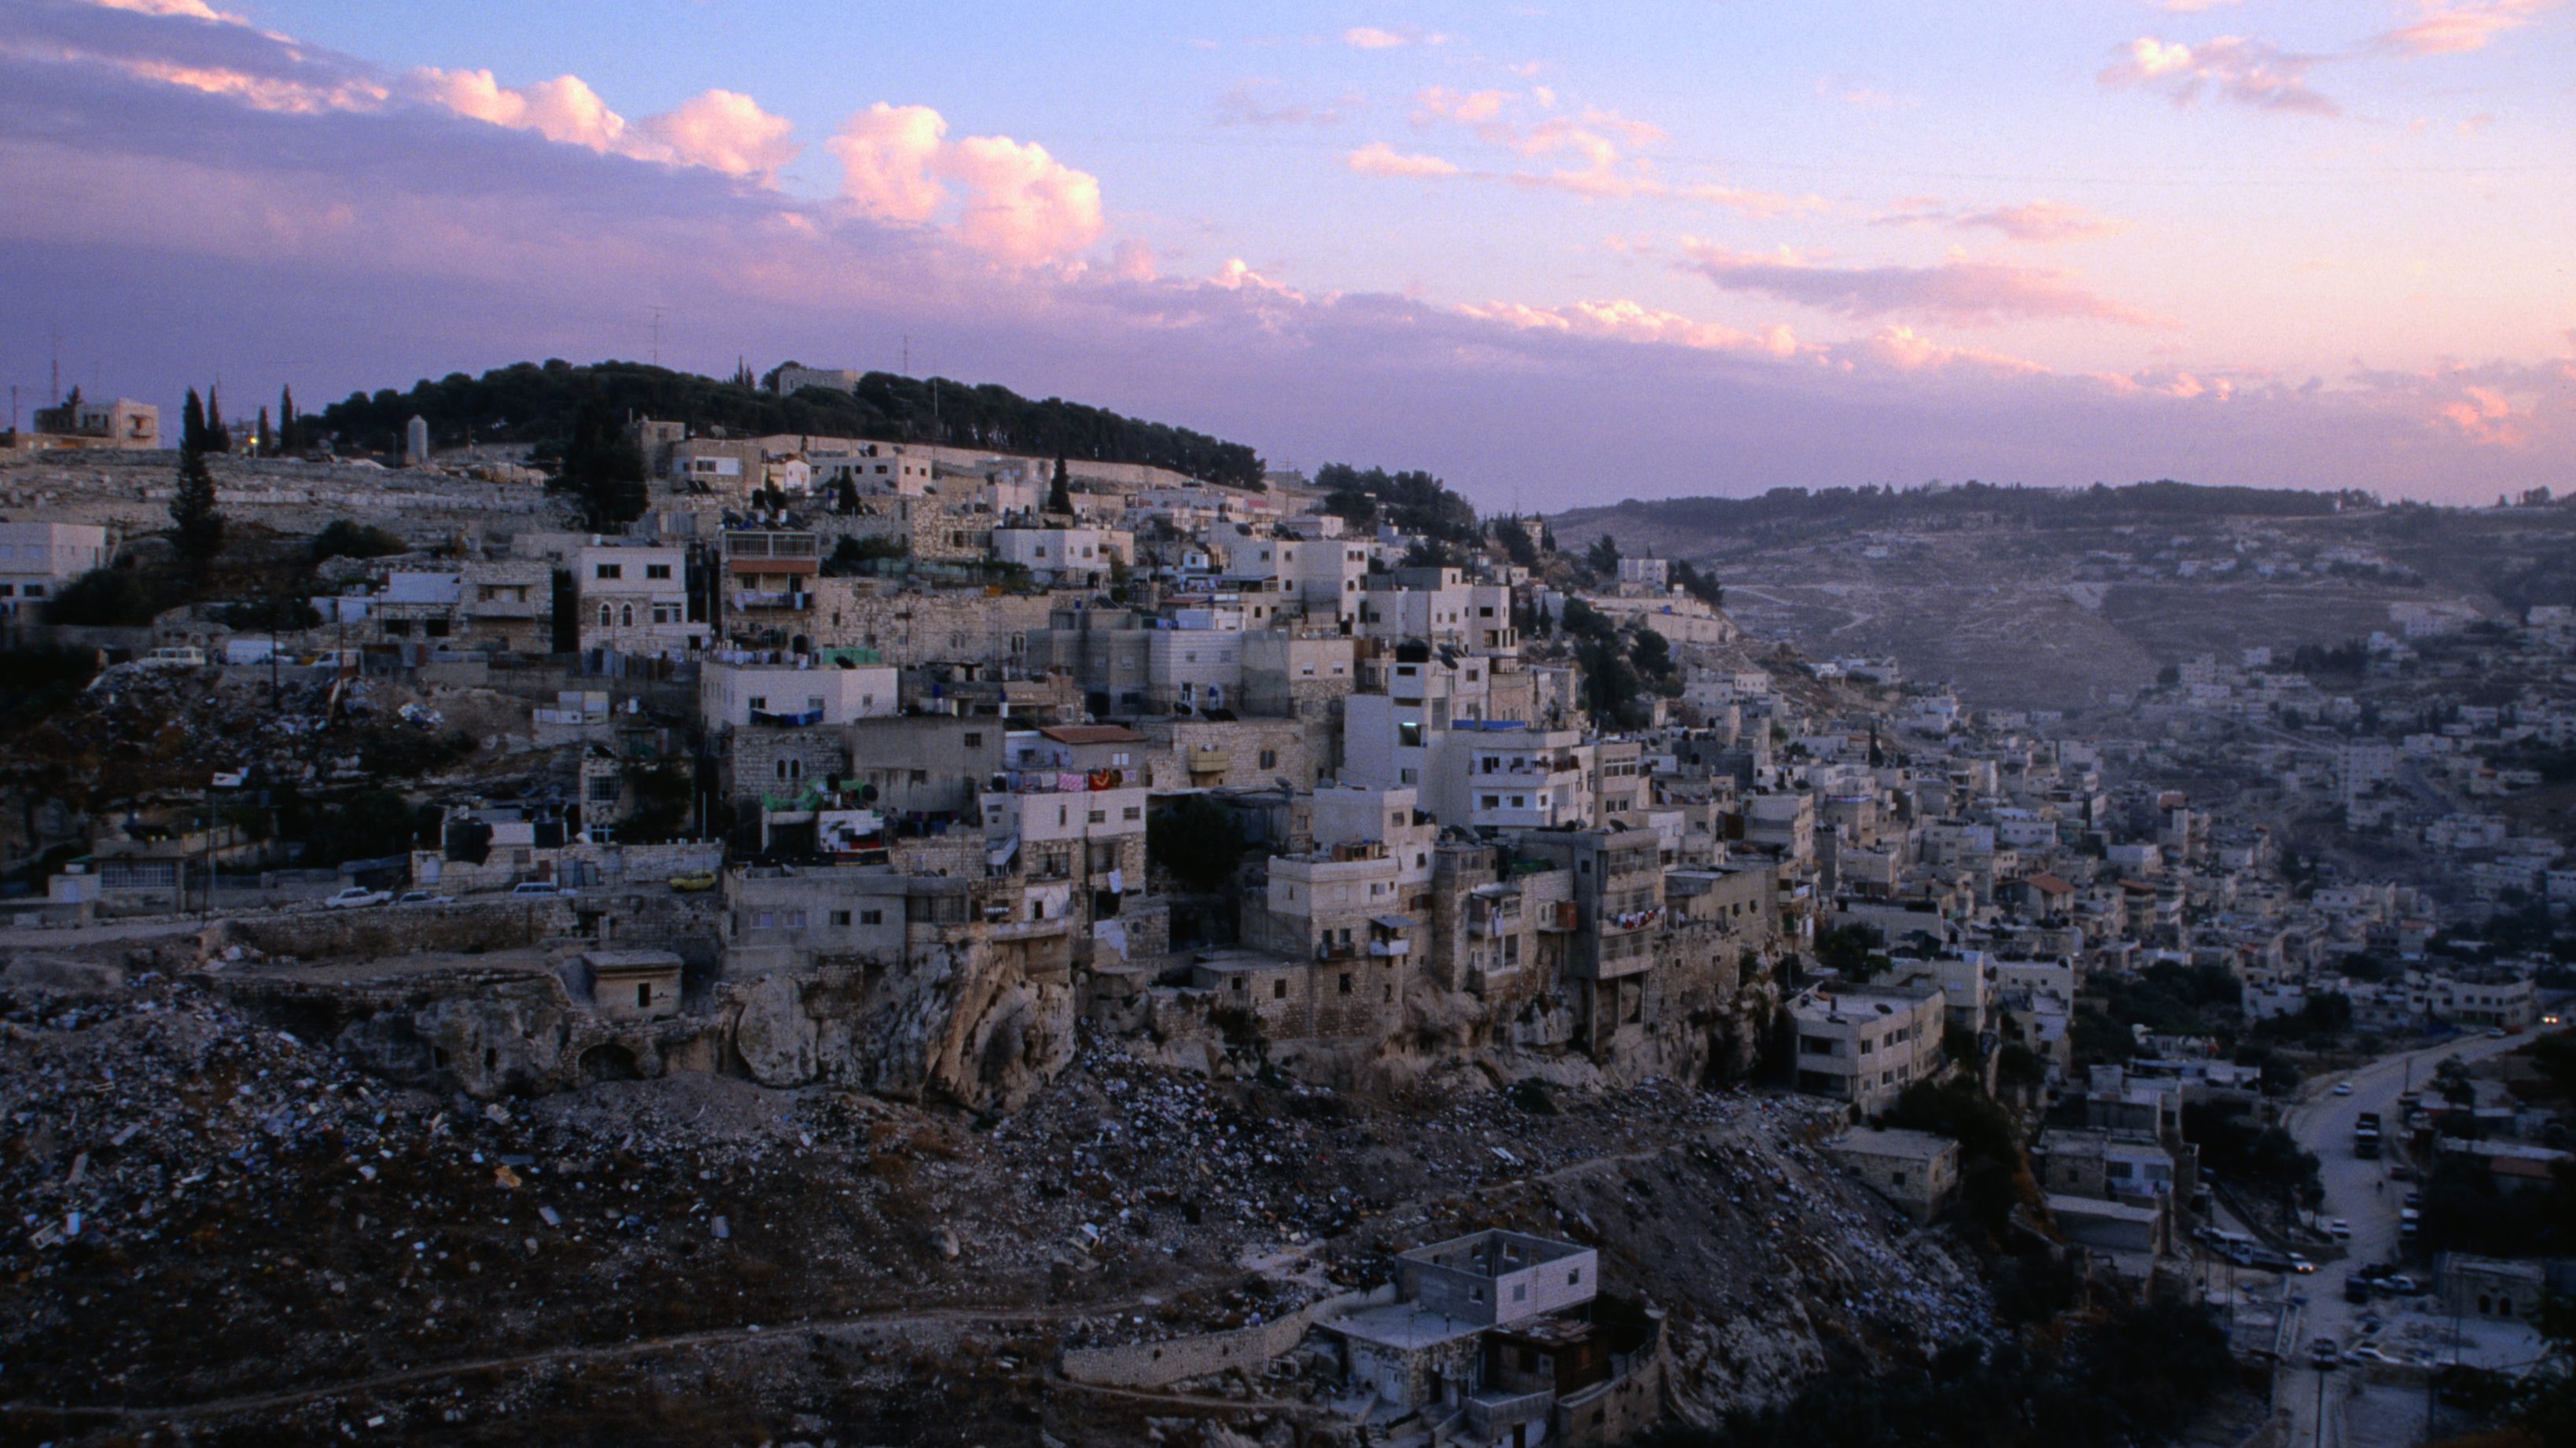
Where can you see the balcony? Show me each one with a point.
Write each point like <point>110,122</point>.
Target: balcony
<point>1390,949</point>
<point>1211,761</point>
<point>1561,918</point>
<point>1629,922</point>
<point>748,601</point>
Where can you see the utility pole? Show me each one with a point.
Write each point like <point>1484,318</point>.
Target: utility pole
<point>657,334</point>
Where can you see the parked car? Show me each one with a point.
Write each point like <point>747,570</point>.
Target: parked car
<point>357,895</point>
<point>2301,1265</point>
<point>2343,1088</point>
<point>2339,1229</point>
<point>2323,1354</point>
<point>533,888</point>
<point>2495,1033</point>
<point>423,897</point>
<point>693,883</point>
<point>2401,1172</point>
<point>2356,1288</point>
<point>2398,1284</point>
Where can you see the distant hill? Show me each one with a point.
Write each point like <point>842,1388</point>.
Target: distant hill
<point>533,402</point>
<point>1840,508</point>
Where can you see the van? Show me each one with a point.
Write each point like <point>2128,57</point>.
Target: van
<point>536,888</point>
<point>174,656</point>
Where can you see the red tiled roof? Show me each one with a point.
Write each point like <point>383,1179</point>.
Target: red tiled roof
<point>1091,734</point>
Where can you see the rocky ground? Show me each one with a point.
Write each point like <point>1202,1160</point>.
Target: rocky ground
<point>224,1233</point>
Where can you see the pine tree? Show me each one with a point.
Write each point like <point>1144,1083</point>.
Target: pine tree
<point>1060,492</point>
<point>197,528</point>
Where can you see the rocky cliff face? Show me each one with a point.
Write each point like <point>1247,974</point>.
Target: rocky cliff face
<point>959,1024</point>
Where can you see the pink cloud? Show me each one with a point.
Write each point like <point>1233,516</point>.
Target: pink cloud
<point>564,109</point>
<point>1905,350</point>
<point>1248,104</point>
<point>1377,158</point>
<point>724,131</point>
<point>1021,205</point>
<point>2451,29</point>
<point>1629,321</point>
<point>2249,72</point>
<point>2042,221</point>
<point>1961,293</point>
<point>886,155</point>
<point>1372,37</point>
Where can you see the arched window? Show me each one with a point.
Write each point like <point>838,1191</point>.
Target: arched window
<point>605,617</point>
<point>626,616</point>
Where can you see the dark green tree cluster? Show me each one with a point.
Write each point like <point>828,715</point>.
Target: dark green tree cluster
<point>104,598</point>
<point>1516,542</point>
<point>1853,952</point>
<point>852,557</point>
<point>36,680</point>
<point>538,403</point>
<point>196,525</point>
<point>1700,585</point>
<point>341,538</point>
<point>1416,502</point>
<point>603,469</point>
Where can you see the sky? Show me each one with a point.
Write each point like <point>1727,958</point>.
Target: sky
<point>1559,254</point>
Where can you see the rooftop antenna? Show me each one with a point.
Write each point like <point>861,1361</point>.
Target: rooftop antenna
<point>907,354</point>
<point>57,378</point>
<point>657,334</point>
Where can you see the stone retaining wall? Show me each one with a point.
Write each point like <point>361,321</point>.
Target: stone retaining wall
<point>1161,1364</point>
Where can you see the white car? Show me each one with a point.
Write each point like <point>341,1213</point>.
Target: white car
<point>2339,1229</point>
<point>423,897</point>
<point>2343,1088</point>
<point>357,895</point>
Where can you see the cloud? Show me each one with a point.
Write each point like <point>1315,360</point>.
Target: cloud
<point>1371,37</point>
<point>564,109</point>
<point>2042,221</point>
<point>1021,205</point>
<point>1377,158</point>
<point>1248,104</point>
<point>2250,72</point>
<point>720,130</point>
<point>1599,145</point>
<point>2450,29</point>
<point>183,9</point>
<point>2190,7</point>
<point>886,154</point>
<point>425,242</point>
<point>1961,293</point>
<point>724,131</point>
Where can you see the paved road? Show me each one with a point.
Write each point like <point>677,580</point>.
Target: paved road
<point>2360,1192</point>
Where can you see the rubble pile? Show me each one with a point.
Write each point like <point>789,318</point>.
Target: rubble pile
<point>187,1174</point>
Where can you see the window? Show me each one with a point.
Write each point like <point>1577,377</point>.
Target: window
<point>841,918</point>
<point>643,996</point>
<point>974,740</point>
<point>607,616</point>
<point>759,701</point>
<point>1279,990</point>
<point>1346,982</point>
<point>1238,985</point>
<point>1574,1277</point>
<point>609,570</point>
<point>1132,812</point>
<point>872,917</point>
<point>1270,759</point>
<point>626,616</point>
<point>657,570</point>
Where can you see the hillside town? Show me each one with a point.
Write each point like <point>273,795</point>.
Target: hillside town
<point>1315,910</point>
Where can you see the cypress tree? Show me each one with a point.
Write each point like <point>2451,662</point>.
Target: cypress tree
<point>1060,492</point>
<point>197,528</point>
<point>216,438</point>
<point>286,420</point>
<point>262,438</point>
